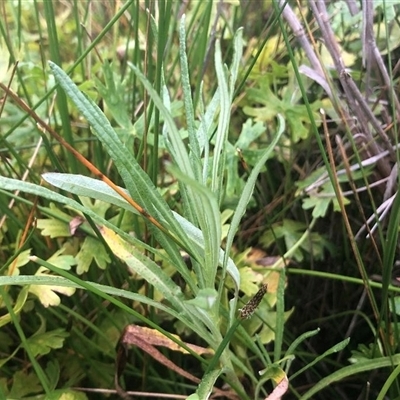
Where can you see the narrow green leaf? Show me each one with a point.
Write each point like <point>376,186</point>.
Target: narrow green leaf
<point>223,124</point>
<point>334,349</point>
<point>207,384</point>
<point>138,183</point>
<point>94,188</point>
<point>96,289</point>
<point>280,315</point>
<point>346,372</point>
<point>112,93</point>
<point>300,339</point>
<point>206,130</point>
<point>208,215</point>
<point>36,366</point>
<point>248,191</point>
<point>389,251</point>
<point>187,93</point>
<point>51,280</point>
<point>173,138</point>
<point>389,381</point>
<point>144,267</point>
<point>236,59</point>
<point>19,303</point>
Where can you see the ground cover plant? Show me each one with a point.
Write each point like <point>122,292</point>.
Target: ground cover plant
<point>199,200</point>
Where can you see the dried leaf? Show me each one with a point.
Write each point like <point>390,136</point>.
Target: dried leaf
<point>146,339</point>
<point>75,223</point>
<point>278,375</point>
<point>279,390</point>
<point>155,338</point>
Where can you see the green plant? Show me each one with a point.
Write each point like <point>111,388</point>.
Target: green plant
<point>203,307</point>
<point>160,235</point>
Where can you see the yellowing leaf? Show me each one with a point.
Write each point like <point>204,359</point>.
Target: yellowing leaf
<point>326,58</point>
<point>72,395</point>
<point>119,247</point>
<point>5,71</point>
<point>143,266</point>
<point>53,228</point>
<point>47,294</point>
<point>250,280</point>
<point>62,261</point>
<point>282,381</point>
<point>268,53</point>
<point>3,231</point>
<point>20,261</point>
<point>21,299</point>
<point>267,333</point>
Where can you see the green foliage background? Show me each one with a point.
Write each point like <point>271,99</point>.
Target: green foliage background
<point>219,146</point>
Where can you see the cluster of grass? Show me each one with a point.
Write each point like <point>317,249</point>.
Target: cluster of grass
<point>165,162</point>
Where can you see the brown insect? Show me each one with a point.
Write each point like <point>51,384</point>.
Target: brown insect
<point>248,310</point>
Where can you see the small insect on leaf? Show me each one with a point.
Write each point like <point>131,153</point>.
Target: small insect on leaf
<point>248,310</point>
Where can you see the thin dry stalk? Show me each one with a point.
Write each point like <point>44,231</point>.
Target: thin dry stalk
<point>356,113</point>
